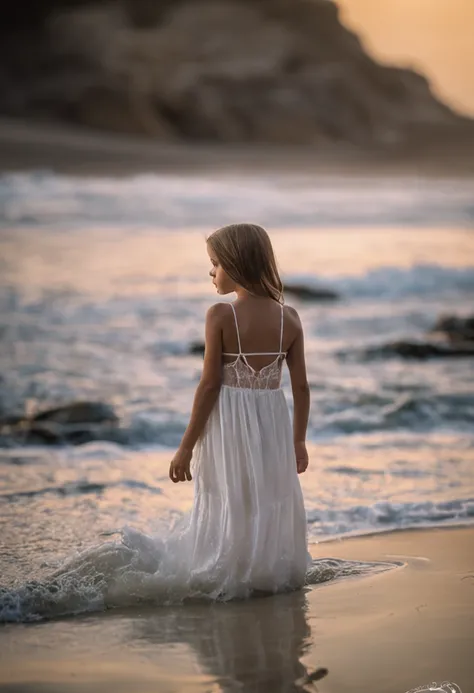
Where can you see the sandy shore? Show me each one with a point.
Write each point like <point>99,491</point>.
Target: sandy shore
<point>390,632</point>
<point>31,145</point>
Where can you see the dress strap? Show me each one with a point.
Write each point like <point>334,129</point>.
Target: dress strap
<point>236,327</point>
<point>281,331</point>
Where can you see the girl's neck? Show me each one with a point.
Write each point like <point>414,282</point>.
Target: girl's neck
<point>244,295</point>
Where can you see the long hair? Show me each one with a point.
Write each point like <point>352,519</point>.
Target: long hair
<point>245,253</point>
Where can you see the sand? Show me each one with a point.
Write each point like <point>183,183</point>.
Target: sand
<point>390,632</point>
<point>26,145</point>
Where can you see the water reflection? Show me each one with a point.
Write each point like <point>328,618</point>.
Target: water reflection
<point>255,646</point>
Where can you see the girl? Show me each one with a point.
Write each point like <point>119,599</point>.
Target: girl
<point>247,528</point>
<point>246,532</point>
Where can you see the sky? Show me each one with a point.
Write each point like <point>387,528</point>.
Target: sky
<point>436,37</point>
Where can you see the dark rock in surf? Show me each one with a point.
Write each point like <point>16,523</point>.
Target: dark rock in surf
<point>456,329</point>
<point>197,348</point>
<point>421,350</point>
<point>310,293</point>
<point>73,434</point>
<point>11,420</point>
<point>48,433</point>
<point>78,412</point>
<point>72,424</point>
<point>45,432</point>
<point>452,337</point>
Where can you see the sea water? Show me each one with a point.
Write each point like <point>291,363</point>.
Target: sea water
<point>104,287</point>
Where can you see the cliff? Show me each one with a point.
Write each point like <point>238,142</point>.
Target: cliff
<point>279,71</point>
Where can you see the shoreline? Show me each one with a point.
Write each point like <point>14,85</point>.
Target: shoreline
<point>456,524</point>
<point>391,631</point>
<point>34,145</point>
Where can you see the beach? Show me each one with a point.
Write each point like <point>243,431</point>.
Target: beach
<point>26,145</point>
<point>103,291</point>
<point>395,631</point>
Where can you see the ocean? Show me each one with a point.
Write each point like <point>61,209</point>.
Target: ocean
<point>103,290</point>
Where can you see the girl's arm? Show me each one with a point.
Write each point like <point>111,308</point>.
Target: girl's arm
<point>299,385</point>
<point>206,394</point>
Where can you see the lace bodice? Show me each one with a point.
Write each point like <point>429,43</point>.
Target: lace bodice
<point>240,374</point>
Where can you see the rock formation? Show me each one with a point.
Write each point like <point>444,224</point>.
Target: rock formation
<point>420,351</point>
<point>307,292</point>
<point>454,338</point>
<point>456,329</point>
<point>278,71</point>
<point>74,423</point>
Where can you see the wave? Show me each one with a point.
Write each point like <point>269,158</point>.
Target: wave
<point>79,488</point>
<point>424,412</point>
<point>128,572</point>
<point>43,198</point>
<point>389,282</point>
<point>386,516</point>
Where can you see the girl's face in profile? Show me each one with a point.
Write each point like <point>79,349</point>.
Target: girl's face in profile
<point>223,283</point>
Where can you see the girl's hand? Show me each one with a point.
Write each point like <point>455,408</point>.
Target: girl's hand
<point>180,466</point>
<point>302,459</point>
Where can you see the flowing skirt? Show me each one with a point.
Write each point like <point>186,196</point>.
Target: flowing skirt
<point>247,529</point>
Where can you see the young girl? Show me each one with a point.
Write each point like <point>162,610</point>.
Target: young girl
<point>247,528</point>
<point>246,532</point>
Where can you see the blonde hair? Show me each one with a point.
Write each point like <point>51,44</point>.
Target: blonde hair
<point>245,253</point>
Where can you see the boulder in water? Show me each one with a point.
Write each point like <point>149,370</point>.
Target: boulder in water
<point>456,329</point>
<point>197,348</point>
<point>75,424</point>
<point>78,412</point>
<point>421,350</point>
<point>310,293</point>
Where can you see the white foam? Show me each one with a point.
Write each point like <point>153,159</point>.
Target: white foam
<point>173,201</point>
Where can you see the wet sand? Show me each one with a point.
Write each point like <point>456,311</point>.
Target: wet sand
<point>28,145</point>
<point>390,632</point>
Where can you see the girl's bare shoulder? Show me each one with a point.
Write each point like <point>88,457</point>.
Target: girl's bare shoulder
<point>292,323</point>
<point>218,313</point>
<point>292,317</point>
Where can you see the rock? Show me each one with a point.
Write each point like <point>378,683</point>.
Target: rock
<point>421,350</point>
<point>455,340</point>
<point>74,424</point>
<point>455,328</point>
<point>310,293</point>
<point>108,107</point>
<point>11,420</point>
<point>45,432</point>
<point>14,16</point>
<point>78,412</point>
<point>147,13</point>
<point>278,71</point>
<point>196,348</point>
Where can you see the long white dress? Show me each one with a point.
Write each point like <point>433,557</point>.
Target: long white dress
<point>247,528</point>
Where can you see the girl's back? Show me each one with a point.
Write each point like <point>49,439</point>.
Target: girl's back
<point>254,367</point>
<point>260,328</point>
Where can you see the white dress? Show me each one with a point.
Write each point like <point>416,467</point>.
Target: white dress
<point>247,527</point>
